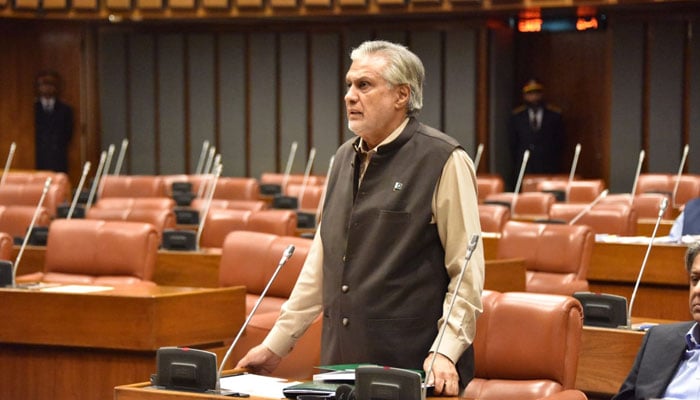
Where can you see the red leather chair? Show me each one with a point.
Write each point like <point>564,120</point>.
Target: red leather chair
<point>311,197</point>
<point>526,347</point>
<point>556,256</point>
<point>131,186</point>
<point>83,251</point>
<point>15,220</point>
<point>29,194</point>
<point>614,219</point>
<point>488,185</point>
<point>161,219</point>
<point>581,191</point>
<point>249,205</point>
<point>529,205</point>
<point>220,222</point>
<point>646,205</point>
<point>250,259</point>
<point>6,244</point>
<point>160,203</point>
<point>493,217</point>
<point>237,189</point>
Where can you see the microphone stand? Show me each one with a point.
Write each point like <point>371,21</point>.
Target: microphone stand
<point>470,251</point>
<point>96,181</point>
<point>572,172</point>
<point>588,208</point>
<point>86,169</point>
<point>636,175</point>
<point>120,158</point>
<point>680,174</point>
<point>477,157</point>
<point>526,157</point>
<point>10,156</point>
<point>47,185</point>
<point>285,257</point>
<point>662,209</point>
<point>288,167</point>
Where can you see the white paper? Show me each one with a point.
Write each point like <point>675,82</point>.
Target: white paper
<point>256,385</point>
<point>76,289</point>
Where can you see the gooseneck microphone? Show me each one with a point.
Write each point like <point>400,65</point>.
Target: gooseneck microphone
<point>74,202</point>
<point>286,255</point>
<point>47,185</point>
<point>662,209</point>
<point>470,251</point>
<point>588,207</point>
<point>8,162</point>
<point>516,190</point>
<point>686,149</point>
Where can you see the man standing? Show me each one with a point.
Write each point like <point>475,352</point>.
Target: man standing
<point>400,210</point>
<point>53,124</point>
<point>538,127</point>
<point>668,361</point>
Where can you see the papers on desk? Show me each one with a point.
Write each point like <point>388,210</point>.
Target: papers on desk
<point>256,385</point>
<point>76,289</point>
<point>606,238</point>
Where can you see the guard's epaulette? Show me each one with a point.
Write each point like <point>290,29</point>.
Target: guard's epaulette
<point>553,108</point>
<point>519,109</point>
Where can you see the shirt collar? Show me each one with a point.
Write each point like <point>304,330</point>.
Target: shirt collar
<point>691,338</point>
<point>392,136</point>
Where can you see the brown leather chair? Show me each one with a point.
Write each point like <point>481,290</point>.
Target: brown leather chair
<point>531,181</point>
<point>39,177</point>
<point>688,187</point>
<point>556,256</point>
<point>15,220</point>
<point>312,195</point>
<point>249,205</point>
<point>131,186</point>
<point>493,217</point>
<point>237,189</point>
<point>528,205</point>
<point>220,222</point>
<point>613,219</point>
<point>161,219</point>
<point>84,251</point>
<point>277,178</point>
<point>570,394</point>
<point>487,185</point>
<point>29,194</point>
<point>646,205</point>
<point>581,191</point>
<point>250,259</point>
<point>526,347</point>
<point>160,203</point>
<point>6,244</point>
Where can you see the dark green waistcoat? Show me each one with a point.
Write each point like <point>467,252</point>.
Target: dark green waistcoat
<point>384,277</point>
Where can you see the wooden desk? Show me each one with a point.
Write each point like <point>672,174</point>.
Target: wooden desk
<point>79,346</point>
<point>143,391</point>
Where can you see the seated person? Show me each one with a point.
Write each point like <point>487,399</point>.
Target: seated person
<point>688,222</point>
<point>667,363</point>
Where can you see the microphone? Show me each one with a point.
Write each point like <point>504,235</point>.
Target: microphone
<point>288,167</point>
<point>96,180</point>
<point>202,156</point>
<point>662,209</point>
<point>86,169</point>
<point>686,148</point>
<point>477,157</point>
<point>120,158</point>
<point>470,251</point>
<point>207,168</point>
<point>572,172</point>
<point>516,190</point>
<point>636,175</point>
<point>10,156</point>
<point>47,185</point>
<point>286,255</point>
<point>588,208</point>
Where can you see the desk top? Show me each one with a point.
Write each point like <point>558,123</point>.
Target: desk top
<point>139,318</point>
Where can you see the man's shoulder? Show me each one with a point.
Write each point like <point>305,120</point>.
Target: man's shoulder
<point>673,327</point>
<point>519,109</point>
<point>552,108</point>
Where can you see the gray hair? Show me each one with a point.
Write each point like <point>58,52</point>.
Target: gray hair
<point>690,255</point>
<point>403,68</point>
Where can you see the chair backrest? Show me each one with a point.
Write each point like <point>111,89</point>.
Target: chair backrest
<point>278,178</point>
<point>577,191</point>
<point>220,222</point>
<point>39,177</point>
<point>237,189</point>
<point>487,185</point>
<point>100,252</point>
<point>29,194</point>
<point>157,203</point>
<point>557,256</point>
<point>614,218</point>
<point>160,218</point>
<point>312,195</point>
<point>531,181</point>
<point>250,205</point>
<point>250,259</point>
<point>493,217</point>
<point>131,186</point>
<point>688,186</point>
<point>15,220</point>
<point>528,204</point>
<point>538,359</point>
<point>6,244</point>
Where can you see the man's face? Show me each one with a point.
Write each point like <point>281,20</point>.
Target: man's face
<point>533,98</point>
<point>374,108</point>
<point>694,280</point>
<point>47,88</point>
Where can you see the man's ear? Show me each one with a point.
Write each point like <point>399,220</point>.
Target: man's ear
<point>402,95</point>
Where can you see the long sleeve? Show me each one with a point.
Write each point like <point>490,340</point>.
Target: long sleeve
<point>456,214</point>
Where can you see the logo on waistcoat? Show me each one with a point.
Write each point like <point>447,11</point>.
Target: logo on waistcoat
<point>398,186</point>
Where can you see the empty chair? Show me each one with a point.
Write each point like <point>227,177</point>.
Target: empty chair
<point>39,177</point>
<point>237,189</point>
<point>613,219</point>
<point>646,205</point>
<point>537,361</point>
<point>556,256</point>
<point>529,205</point>
<point>161,219</point>
<point>160,203</point>
<point>250,259</point>
<point>15,220</point>
<point>487,185</point>
<point>29,194</point>
<point>6,244</point>
<point>493,217</point>
<point>688,186</point>
<point>131,186</point>
<point>582,191</point>
<point>311,196</point>
<point>531,181</point>
<point>250,205</point>
<point>221,222</point>
<point>83,251</point>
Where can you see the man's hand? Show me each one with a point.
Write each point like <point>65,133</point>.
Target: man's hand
<point>259,360</point>
<point>444,376</point>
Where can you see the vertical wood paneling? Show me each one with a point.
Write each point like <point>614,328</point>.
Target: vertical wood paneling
<point>501,83</point>
<point>232,111</point>
<point>694,108</point>
<point>294,99</point>
<point>325,95</point>
<point>665,97</point>
<point>460,88</point>
<point>263,125</point>
<point>113,90</point>
<point>171,101</point>
<point>142,100</point>
<point>626,104</point>
<point>427,45</point>
<point>201,93</point>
